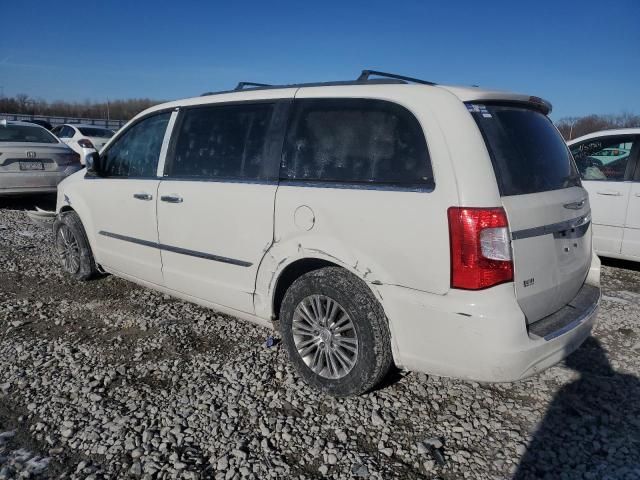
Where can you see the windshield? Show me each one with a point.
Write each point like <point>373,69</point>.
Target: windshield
<point>95,132</point>
<point>25,133</point>
<point>527,151</point>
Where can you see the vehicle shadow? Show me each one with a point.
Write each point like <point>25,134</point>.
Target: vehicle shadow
<point>618,263</point>
<point>592,428</point>
<point>28,202</point>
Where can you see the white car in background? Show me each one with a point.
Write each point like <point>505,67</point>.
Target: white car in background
<point>608,164</point>
<point>82,138</point>
<point>32,160</point>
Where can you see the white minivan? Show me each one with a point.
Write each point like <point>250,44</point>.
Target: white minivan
<point>608,163</point>
<point>375,222</point>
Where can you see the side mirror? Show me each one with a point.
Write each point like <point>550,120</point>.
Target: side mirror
<point>92,162</point>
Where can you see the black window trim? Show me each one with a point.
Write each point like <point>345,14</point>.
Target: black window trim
<point>288,103</point>
<point>426,187</point>
<point>277,136</point>
<point>632,164</point>
<point>636,176</point>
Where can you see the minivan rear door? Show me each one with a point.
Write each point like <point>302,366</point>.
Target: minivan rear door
<point>547,208</point>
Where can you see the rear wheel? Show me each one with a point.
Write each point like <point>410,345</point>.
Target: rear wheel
<point>335,332</point>
<point>72,247</point>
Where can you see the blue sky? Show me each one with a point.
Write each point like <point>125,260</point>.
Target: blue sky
<point>584,56</point>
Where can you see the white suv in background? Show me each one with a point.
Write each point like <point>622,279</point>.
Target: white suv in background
<point>608,163</point>
<point>376,221</point>
<point>84,139</point>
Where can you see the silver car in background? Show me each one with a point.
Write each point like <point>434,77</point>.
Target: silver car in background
<point>32,160</point>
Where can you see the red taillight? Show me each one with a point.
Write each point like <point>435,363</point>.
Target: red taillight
<point>480,247</point>
<point>84,143</point>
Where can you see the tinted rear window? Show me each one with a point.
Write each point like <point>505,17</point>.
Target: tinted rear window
<point>528,153</point>
<point>95,132</point>
<point>25,133</point>
<point>352,140</point>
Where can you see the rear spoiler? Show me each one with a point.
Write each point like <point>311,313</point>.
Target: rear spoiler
<point>535,103</point>
<point>477,95</point>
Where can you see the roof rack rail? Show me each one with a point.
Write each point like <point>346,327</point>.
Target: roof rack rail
<point>241,85</point>
<point>364,76</point>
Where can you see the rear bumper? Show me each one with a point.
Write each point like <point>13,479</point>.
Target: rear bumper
<point>16,183</point>
<point>481,336</point>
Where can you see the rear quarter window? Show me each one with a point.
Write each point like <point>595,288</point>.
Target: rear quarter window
<point>356,141</point>
<point>528,153</point>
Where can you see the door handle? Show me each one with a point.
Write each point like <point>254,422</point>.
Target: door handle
<point>610,193</point>
<point>143,196</point>
<point>171,198</point>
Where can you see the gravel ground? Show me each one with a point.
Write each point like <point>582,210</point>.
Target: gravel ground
<point>109,380</point>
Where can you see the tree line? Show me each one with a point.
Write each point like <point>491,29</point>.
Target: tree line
<point>113,109</point>
<point>570,127</point>
<point>573,127</point>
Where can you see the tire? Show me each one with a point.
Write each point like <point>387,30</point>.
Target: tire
<point>72,247</point>
<point>341,372</point>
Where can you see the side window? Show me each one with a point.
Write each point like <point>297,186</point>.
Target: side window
<point>604,158</point>
<point>225,142</point>
<point>356,141</point>
<point>136,152</point>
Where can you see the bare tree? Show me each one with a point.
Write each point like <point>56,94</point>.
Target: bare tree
<point>573,127</point>
<point>115,109</point>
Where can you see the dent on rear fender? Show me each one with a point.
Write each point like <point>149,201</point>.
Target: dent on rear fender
<point>281,255</point>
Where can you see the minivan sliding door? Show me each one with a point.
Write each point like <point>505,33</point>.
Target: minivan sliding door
<point>216,200</point>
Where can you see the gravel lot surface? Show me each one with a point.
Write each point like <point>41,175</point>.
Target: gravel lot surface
<point>109,380</point>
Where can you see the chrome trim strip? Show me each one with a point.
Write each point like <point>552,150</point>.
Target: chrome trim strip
<point>427,187</point>
<point>182,251</point>
<point>577,222</point>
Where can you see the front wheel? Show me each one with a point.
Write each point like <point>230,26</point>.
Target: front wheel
<point>72,247</point>
<point>335,332</point>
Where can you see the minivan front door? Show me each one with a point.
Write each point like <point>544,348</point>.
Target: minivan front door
<point>216,200</point>
<point>122,201</point>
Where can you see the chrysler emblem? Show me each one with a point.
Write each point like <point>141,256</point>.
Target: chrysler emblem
<point>575,205</point>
